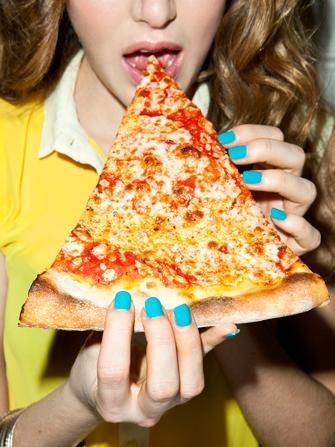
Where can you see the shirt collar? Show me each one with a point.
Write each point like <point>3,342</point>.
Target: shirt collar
<point>62,131</point>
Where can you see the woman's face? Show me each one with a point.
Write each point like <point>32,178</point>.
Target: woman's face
<point>119,35</point>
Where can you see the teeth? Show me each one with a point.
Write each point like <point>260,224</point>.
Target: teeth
<point>139,60</point>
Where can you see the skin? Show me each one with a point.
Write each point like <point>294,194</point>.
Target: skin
<point>101,385</point>
<point>106,31</point>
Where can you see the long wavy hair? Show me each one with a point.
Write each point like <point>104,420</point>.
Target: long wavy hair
<point>260,69</point>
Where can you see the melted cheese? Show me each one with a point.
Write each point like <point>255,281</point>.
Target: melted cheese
<point>174,202</point>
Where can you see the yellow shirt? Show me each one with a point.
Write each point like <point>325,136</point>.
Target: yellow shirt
<point>42,195</point>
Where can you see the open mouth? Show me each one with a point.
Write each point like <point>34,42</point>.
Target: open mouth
<point>136,59</point>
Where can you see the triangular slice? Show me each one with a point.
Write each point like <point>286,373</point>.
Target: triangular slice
<point>170,217</point>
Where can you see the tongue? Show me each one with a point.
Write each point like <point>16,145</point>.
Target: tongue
<point>139,60</point>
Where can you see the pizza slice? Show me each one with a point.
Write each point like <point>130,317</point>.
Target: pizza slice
<point>171,217</point>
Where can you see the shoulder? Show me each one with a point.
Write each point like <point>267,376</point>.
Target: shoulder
<point>15,121</point>
<point>10,112</point>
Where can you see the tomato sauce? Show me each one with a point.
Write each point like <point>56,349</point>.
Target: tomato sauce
<point>189,119</point>
<point>144,92</point>
<point>184,191</point>
<point>111,179</point>
<point>148,112</point>
<point>281,254</point>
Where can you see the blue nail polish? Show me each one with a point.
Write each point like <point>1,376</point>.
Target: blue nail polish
<point>122,300</point>
<point>227,137</point>
<point>252,177</point>
<point>278,214</point>
<point>182,315</point>
<point>226,337</point>
<point>237,152</point>
<point>153,307</point>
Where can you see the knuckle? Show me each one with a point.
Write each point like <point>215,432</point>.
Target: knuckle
<point>108,375</point>
<point>190,393</point>
<point>148,423</point>
<point>109,416</point>
<point>163,393</point>
<point>304,227</point>
<point>316,239</point>
<point>267,149</point>
<point>191,345</point>
<point>301,155</point>
<point>312,190</point>
<point>278,134</point>
<point>112,418</point>
<point>278,179</point>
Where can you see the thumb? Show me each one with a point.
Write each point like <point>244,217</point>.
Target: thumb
<point>217,334</point>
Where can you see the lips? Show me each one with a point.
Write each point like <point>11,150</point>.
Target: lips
<point>136,57</point>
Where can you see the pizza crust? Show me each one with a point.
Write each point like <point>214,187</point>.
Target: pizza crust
<point>46,307</point>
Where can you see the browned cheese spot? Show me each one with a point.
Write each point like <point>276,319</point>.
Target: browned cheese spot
<point>190,151</point>
<point>193,216</point>
<point>158,222</point>
<point>212,244</point>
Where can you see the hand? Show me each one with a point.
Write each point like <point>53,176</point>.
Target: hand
<point>276,180</point>
<point>103,376</point>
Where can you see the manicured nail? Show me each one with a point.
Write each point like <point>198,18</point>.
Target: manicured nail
<point>278,214</point>
<point>227,137</point>
<point>252,177</point>
<point>226,337</point>
<point>182,315</point>
<point>122,300</point>
<point>153,307</point>
<point>237,152</point>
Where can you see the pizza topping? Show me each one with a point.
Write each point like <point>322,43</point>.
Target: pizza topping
<point>99,251</point>
<point>170,204</point>
<point>193,216</point>
<point>73,247</point>
<point>109,275</point>
<point>106,181</point>
<point>183,191</point>
<point>212,244</point>
<point>190,151</point>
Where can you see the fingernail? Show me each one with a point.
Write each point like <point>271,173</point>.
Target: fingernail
<point>182,315</point>
<point>227,137</point>
<point>226,337</point>
<point>237,152</point>
<point>153,307</point>
<point>275,213</point>
<point>122,300</point>
<point>252,177</point>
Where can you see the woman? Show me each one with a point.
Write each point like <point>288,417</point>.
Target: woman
<point>257,62</point>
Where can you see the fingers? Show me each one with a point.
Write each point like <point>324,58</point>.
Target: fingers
<point>272,152</point>
<point>250,144</point>
<point>175,358</point>
<point>291,187</point>
<point>302,236</point>
<point>162,383</point>
<point>189,351</point>
<point>247,132</point>
<point>215,335</point>
<point>191,348</point>
<point>114,357</point>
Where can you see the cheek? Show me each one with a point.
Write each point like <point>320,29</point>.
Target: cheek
<point>203,19</point>
<point>93,19</point>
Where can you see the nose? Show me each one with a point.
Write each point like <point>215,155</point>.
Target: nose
<point>156,13</point>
